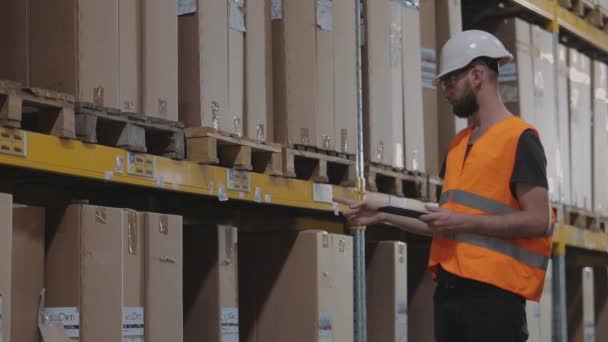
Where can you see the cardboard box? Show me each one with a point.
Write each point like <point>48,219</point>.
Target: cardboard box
<point>203,67</point>
<point>384,142</point>
<point>160,59</point>
<point>545,102</point>
<point>236,64</point>
<point>22,269</point>
<point>448,18</point>
<point>129,56</point>
<point>258,71</point>
<point>413,117</point>
<point>211,308</point>
<point>387,291</point>
<point>294,73</point>
<point>81,56</point>
<point>564,175</point>
<point>428,64</point>
<point>580,129</point>
<point>14,61</point>
<point>163,277</point>
<point>345,77</point>
<point>600,137</point>
<point>94,273</point>
<point>312,264</point>
<point>323,118</point>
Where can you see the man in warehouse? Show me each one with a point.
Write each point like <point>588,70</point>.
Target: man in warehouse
<point>492,230</point>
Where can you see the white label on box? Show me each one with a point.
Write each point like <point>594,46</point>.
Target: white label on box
<point>237,15</point>
<point>325,327</point>
<point>133,321</point>
<point>68,317</point>
<point>276,9</point>
<point>428,65</point>
<point>399,155</point>
<point>230,325</point>
<point>325,18</point>
<point>322,193</point>
<point>186,6</point>
<point>402,320</point>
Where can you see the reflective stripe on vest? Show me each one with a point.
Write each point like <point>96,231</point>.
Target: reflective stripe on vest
<point>491,206</point>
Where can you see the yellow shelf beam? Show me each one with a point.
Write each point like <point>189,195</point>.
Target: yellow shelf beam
<point>581,238</point>
<point>568,21</point>
<point>74,158</point>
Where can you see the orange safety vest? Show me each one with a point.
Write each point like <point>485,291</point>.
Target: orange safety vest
<point>479,185</point>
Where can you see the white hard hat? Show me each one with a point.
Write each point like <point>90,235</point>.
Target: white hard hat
<point>466,46</point>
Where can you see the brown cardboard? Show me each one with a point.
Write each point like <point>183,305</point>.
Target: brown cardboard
<point>163,277</point>
<point>600,137</point>
<point>564,126</point>
<point>94,266</point>
<point>294,74</point>
<point>448,18</point>
<point>386,291</point>
<point>413,115</point>
<point>545,110</point>
<point>133,260</point>
<point>22,269</point>
<point>345,82</point>
<point>429,92</point>
<point>210,284</point>
<point>396,70</point>
<point>236,65</point>
<point>299,269</point>
<point>80,56</point>
<point>203,66</point>
<point>380,140</point>
<point>325,106</point>
<point>14,18</point>
<point>129,24</point>
<point>159,59</point>
<point>580,129</point>
<point>258,71</point>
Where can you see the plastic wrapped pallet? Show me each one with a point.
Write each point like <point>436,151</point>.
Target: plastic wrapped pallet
<point>564,174</point>
<point>580,129</point>
<point>600,137</point>
<point>413,118</point>
<point>382,83</point>
<point>428,65</point>
<point>387,292</point>
<point>545,111</point>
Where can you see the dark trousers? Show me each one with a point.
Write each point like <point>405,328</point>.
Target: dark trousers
<point>470,311</point>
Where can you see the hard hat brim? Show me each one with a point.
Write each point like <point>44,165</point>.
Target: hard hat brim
<point>502,60</point>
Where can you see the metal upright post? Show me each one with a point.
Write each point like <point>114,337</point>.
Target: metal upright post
<point>358,233</point>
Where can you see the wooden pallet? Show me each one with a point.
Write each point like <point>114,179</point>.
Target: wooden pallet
<point>37,110</point>
<point>206,145</point>
<point>584,219</point>
<point>132,131</point>
<point>318,166</point>
<point>434,184</point>
<point>385,179</point>
<point>585,9</point>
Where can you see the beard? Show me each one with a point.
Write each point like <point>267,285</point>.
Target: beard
<point>466,106</point>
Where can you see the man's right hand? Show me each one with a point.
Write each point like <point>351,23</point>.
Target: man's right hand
<point>362,213</point>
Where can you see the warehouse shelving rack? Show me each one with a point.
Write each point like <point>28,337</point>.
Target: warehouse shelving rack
<point>50,155</point>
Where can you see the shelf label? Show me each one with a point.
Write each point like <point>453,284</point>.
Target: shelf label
<point>13,142</point>
<point>322,193</point>
<point>238,180</point>
<point>141,164</point>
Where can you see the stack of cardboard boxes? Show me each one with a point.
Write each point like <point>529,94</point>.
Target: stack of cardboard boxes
<point>115,274</point>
